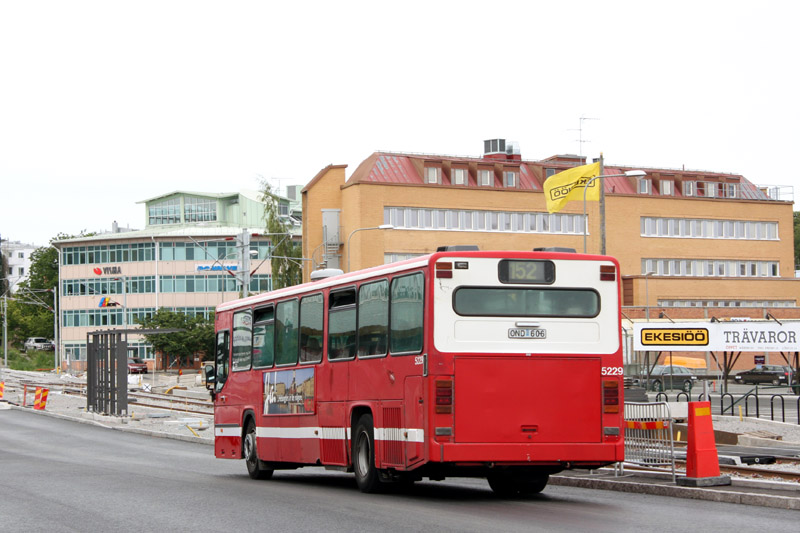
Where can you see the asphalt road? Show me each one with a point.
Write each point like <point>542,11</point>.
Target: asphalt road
<point>57,475</point>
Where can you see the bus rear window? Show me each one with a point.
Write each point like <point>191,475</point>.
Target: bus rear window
<point>526,302</point>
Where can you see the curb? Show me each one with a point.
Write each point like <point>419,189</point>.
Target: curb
<point>741,498</point>
<point>186,438</point>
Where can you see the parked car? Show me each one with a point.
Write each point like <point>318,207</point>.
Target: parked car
<point>665,377</point>
<point>39,343</point>
<point>775,374</point>
<point>136,366</point>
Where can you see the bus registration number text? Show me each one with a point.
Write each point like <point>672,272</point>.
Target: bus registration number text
<point>527,333</point>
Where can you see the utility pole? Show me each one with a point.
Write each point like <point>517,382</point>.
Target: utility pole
<point>245,242</point>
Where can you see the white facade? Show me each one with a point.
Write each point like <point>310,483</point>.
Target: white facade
<point>18,258</point>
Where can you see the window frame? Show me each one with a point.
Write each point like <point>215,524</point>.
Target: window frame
<point>421,273</point>
<point>297,355</point>
<point>341,309</point>
<point>358,317</point>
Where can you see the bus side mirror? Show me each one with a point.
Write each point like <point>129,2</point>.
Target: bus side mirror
<point>210,374</point>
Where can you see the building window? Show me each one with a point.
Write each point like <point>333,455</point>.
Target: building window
<point>688,188</point>
<point>732,190</point>
<point>166,212</point>
<point>549,172</point>
<point>644,186</point>
<point>21,271</point>
<point>485,178</point>
<point>199,209</point>
<point>711,268</point>
<point>21,255</point>
<point>459,176</point>
<point>708,228</point>
<point>667,187</point>
<point>433,175</point>
<point>510,179</point>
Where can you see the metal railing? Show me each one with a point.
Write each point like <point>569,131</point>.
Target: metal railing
<point>648,435</point>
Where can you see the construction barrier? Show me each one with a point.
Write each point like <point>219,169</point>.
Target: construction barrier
<point>2,388</point>
<point>40,399</point>
<point>648,435</point>
<point>702,461</point>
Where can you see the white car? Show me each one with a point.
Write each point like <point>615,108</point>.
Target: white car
<point>39,343</point>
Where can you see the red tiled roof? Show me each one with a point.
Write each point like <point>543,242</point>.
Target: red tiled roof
<point>398,168</point>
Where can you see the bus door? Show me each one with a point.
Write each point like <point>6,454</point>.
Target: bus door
<point>227,426</point>
<point>414,409</point>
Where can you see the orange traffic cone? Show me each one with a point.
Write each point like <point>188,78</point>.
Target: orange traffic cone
<point>702,461</point>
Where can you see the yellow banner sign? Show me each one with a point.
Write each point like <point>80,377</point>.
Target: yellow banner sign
<point>675,337</point>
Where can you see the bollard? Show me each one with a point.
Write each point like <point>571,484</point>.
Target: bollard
<point>24,395</point>
<point>702,461</point>
<point>40,399</point>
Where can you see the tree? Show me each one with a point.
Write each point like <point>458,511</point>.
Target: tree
<point>31,313</point>
<point>796,239</point>
<point>196,337</point>
<point>286,254</point>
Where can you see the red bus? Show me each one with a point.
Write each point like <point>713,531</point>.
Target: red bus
<point>503,365</point>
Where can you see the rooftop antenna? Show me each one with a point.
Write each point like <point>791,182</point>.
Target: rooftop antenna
<point>581,140</point>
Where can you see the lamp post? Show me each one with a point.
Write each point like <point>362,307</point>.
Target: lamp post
<point>647,293</point>
<point>626,174</point>
<point>382,226</point>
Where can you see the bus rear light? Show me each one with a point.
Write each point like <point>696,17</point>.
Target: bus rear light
<point>444,396</point>
<point>608,273</point>
<point>610,396</point>
<point>444,269</point>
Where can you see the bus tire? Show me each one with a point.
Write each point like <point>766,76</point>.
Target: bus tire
<point>509,485</point>
<point>250,453</point>
<point>364,455</point>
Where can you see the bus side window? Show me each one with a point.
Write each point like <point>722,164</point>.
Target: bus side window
<point>373,318</point>
<point>264,338</point>
<point>311,329</point>
<point>342,324</point>
<point>242,340</point>
<point>286,332</point>
<point>407,310</point>
<point>222,358</point>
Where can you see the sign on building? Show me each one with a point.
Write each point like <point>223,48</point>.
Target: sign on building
<point>717,336</point>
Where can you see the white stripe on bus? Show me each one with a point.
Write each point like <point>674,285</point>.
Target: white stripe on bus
<point>228,431</point>
<point>328,433</point>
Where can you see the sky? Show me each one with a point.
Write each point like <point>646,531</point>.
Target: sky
<point>106,103</point>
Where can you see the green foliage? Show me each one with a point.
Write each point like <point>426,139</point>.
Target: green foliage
<point>30,313</point>
<point>197,336</point>
<point>286,254</point>
<point>33,360</point>
<point>797,239</point>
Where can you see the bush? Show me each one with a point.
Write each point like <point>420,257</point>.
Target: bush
<point>32,360</point>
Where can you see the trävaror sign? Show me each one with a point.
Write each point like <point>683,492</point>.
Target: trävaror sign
<point>751,336</point>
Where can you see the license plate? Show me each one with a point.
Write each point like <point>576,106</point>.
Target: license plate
<point>527,333</point>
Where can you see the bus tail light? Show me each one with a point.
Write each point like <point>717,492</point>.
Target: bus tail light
<point>610,396</point>
<point>444,396</point>
<point>608,273</point>
<point>444,269</point>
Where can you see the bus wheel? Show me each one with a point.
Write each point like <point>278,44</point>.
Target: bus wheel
<point>250,453</point>
<point>364,455</point>
<point>509,485</point>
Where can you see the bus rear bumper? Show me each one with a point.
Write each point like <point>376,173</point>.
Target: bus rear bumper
<point>572,454</point>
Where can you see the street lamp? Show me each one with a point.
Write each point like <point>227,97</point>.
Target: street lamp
<point>382,226</point>
<point>626,174</point>
<point>647,293</point>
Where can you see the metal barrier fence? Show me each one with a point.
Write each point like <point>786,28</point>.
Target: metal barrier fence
<point>749,403</point>
<point>648,435</point>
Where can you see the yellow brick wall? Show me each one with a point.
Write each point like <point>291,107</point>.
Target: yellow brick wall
<point>324,193</point>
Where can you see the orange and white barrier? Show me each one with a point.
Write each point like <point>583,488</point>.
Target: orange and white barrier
<point>40,399</point>
<point>2,387</point>
<point>702,461</point>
